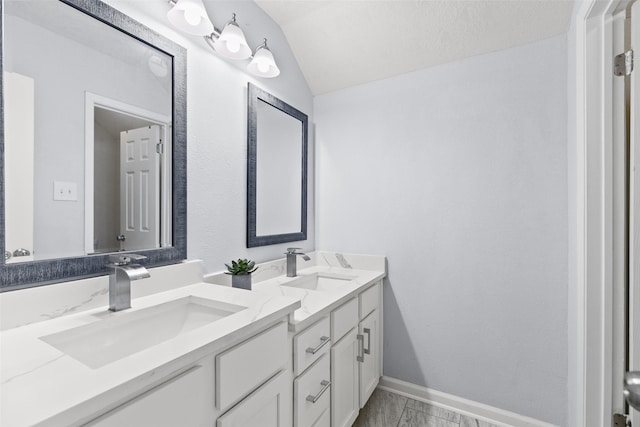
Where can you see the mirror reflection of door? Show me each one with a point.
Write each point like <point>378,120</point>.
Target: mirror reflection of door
<point>127,169</point>
<point>139,181</point>
<point>19,110</point>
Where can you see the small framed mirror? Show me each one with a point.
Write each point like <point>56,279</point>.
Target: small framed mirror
<point>277,144</point>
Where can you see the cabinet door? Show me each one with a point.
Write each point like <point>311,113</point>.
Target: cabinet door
<point>185,400</point>
<point>344,381</point>
<point>269,406</point>
<point>369,367</point>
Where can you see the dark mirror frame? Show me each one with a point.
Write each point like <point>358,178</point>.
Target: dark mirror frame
<point>256,94</point>
<point>37,273</point>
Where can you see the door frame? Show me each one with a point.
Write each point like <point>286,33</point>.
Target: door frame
<point>93,100</point>
<point>596,223</point>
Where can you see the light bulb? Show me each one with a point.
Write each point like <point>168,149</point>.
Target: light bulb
<point>233,45</point>
<point>192,17</point>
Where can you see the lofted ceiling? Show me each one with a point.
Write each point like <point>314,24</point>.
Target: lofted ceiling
<point>343,43</point>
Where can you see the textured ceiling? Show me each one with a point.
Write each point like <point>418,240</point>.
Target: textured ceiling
<point>344,43</point>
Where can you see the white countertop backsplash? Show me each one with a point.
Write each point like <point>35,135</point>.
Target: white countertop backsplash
<point>25,306</point>
<point>366,269</point>
<point>31,305</point>
<point>272,269</point>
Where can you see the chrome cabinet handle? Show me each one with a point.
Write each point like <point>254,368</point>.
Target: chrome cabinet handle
<point>632,389</point>
<point>368,349</point>
<point>360,356</point>
<point>325,385</point>
<point>21,252</point>
<point>323,341</point>
<point>121,238</point>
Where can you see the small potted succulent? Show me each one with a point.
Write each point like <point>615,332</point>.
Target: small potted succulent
<point>240,272</point>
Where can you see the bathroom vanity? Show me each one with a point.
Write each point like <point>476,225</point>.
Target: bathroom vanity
<point>187,356</point>
<point>303,351</point>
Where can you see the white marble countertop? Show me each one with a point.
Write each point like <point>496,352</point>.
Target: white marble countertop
<point>41,385</point>
<point>316,304</point>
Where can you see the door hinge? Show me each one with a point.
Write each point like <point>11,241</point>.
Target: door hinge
<point>621,420</point>
<point>623,63</point>
<point>159,148</point>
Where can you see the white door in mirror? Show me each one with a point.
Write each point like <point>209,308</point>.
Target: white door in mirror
<point>139,182</point>
<point>19,155</point>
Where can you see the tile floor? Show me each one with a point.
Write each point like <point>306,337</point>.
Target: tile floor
<point>386,409</point>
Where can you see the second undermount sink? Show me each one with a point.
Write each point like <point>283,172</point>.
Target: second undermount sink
<point>125,333</point>
<point>323,282</point>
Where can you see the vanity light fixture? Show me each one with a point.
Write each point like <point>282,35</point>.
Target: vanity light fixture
<point>231,42</point>
<point>263,64</point>
<point>191,17</point>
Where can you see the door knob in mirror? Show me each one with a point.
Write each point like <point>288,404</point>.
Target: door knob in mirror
<point>632,389</point>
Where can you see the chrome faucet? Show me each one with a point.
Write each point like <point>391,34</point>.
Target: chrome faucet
<point>124,271</point>
<point>291,261</point>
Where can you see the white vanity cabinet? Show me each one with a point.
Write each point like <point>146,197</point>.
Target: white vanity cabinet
<point>355,355</point>
<point>337,362</point>
<point>247,385</point>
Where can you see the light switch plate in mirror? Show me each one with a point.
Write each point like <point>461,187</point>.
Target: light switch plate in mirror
<point>46,271</point>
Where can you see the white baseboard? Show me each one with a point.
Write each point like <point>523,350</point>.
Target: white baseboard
<point>457,404</point>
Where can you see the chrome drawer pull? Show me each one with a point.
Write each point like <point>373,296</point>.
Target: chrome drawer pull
<point>360,356</point>
<point>368,349</point>
<point>323,341</point>
<point>325,385</point>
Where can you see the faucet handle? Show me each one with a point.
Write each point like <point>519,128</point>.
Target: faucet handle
<point>118,259</point>
<point>291,251</point>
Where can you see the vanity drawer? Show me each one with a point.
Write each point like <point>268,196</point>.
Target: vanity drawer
<point>310,344</point>
<point>369,300</point>
<point>343,319</point>
<point>313,385</point>
<point>243,368</point>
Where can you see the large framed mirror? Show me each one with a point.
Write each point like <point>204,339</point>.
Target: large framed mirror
<point>92,141</point>
<point>277,144</point>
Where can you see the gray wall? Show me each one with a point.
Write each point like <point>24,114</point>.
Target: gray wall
<point>217,129</point>
<point>459,175</point>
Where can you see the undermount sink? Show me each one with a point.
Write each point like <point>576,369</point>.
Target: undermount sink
<point>125,333</point>
<point>322,282</point>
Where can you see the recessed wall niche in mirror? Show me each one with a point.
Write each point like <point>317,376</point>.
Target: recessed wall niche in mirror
<point>277,170</point>
<point>94,138</point>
